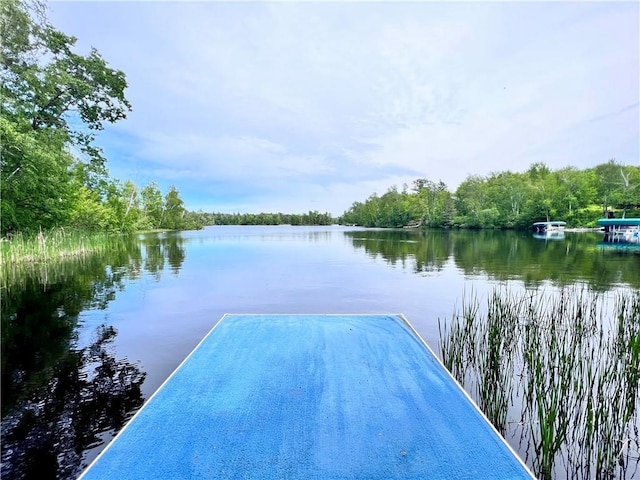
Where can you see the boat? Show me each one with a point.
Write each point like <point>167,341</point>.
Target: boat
<point>413,224</point>
<point>620,230</point>
<point>549,227</point>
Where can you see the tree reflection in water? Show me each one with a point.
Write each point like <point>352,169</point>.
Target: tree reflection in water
<point>504,256</point>
<point>60,400</point>
<point>88,393</point>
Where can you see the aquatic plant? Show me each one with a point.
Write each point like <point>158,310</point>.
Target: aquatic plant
<point>556,372</point>
<point>52,244</point>
<point>39,255</point>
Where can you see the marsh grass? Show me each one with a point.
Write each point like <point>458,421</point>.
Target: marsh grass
<point>52,245</point>
<point>561,371</point>
<point>37,255</point>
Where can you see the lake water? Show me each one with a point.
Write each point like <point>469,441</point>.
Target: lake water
<point>84,343</point>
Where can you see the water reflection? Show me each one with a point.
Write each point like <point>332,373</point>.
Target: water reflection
<point>549,236</point>
<point>428,250</point>
<point>59,398</point>
<point>505,255</point>
<point>160,249</point>
<point>621,247</point>
<point>85,392</point>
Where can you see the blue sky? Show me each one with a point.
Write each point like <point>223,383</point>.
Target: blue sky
<point>297,106</point>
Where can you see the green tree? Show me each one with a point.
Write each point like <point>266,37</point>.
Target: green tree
<point>173,211</point>
<point>473,205</point>
<point>608,183</point>
<point>576,191</point>
<point>89,213</point>
<point>618,186</point>
<point>47,83</point>
<point>52,99</point>
<point>152,206</point>
<point>507,192</point>
<point>35,181</point>
<point>541,204</point>
<point>433,204</point>
<point>123,204</point>
<point>96,205</point>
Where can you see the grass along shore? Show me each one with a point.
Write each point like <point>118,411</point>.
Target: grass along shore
<point>49,255</point>
<point>59,244</point>
<point>53,245</point>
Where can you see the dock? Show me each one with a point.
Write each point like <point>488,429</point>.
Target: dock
<point>621,230</point>
<point>309,397</point>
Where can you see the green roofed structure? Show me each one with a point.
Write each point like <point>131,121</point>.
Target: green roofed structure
<point>619,222</point>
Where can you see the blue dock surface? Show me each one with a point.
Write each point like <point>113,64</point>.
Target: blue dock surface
<point>309,397</point>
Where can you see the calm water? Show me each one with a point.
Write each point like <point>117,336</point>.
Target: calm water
<point>84,344</point>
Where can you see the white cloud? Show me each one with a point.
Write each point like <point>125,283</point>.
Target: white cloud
<point>305,103</point>
<point>230,158</point>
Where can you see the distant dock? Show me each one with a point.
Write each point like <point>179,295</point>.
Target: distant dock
<point>309,397</point>
<point>621,230</point>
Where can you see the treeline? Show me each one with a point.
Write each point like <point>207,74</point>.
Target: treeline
<point>54,100</point>
<point>507,199</point>
<point>310,218</point>
<point>127,208</point>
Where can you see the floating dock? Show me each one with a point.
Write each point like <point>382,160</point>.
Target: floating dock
<point>309,397</point>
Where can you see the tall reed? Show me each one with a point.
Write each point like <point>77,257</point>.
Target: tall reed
<point>23,255</point>
<point>53,244</point>
<point>557,372</point>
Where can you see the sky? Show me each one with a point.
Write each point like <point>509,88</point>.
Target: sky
<point>295,106</point>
